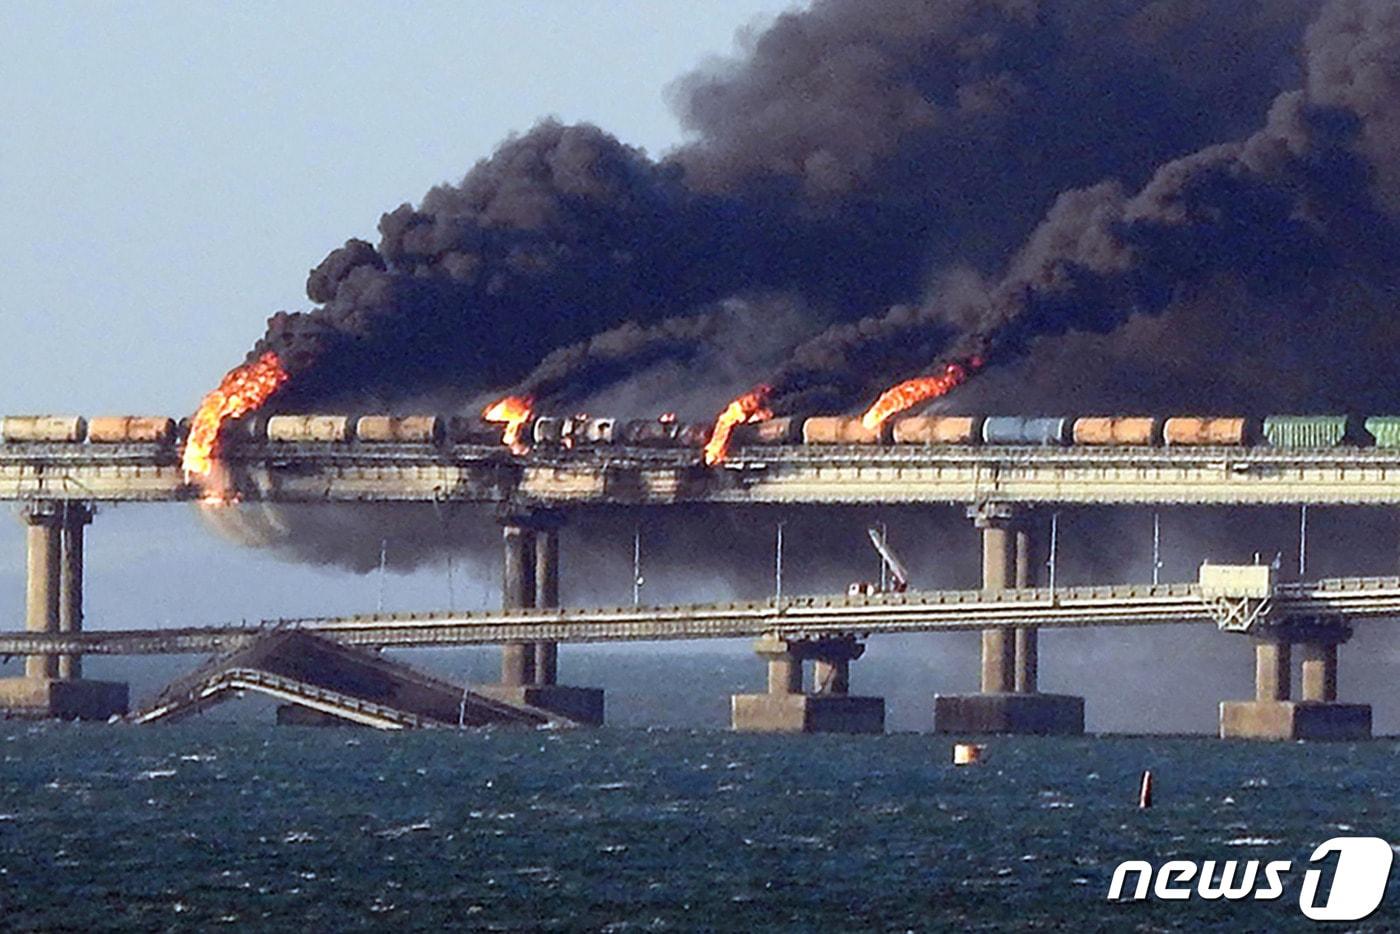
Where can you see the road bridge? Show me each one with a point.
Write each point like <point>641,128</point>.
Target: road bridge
<point>1332,602</point>
<point>1318,615</point>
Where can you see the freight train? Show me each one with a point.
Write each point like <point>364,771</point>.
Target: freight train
<point>548,432</point>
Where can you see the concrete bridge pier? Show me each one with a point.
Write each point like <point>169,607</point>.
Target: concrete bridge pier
<point>789,708</point>
<point>1010,700</point>
<point>518,592</point>
<point>530,670</point>
<point>1273,714</point>
<point>52,685</point>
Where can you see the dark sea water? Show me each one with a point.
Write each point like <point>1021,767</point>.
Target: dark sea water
<point>208,824</point>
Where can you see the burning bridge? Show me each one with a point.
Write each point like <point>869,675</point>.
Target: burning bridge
<point>318,473</point>
<point>1000,486</point>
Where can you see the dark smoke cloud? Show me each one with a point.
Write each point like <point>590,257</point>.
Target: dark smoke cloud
<point>861,157</point>
<point>1279,218</point>
<point>848,154</point>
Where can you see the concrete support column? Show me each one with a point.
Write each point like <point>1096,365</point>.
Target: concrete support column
<point>1317,715</point>
<point>43,541</point>
<point>74,519</point>
<point>1009,700</point>
<point>518,592</point>
<point>546,595</point>
<point>787,708</point>
<point>1272,670</point>
<point>998,573</point>
<point>52,685</point>
<point>1319,671</point>
<point>1027,637</point>
<point>784,674</point>
<point>1027,660</point>
<point>530,670</point>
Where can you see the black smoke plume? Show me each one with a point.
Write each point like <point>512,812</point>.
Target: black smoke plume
<point>1294,211</point>
<point>870,187</point>
<point>846,156</point>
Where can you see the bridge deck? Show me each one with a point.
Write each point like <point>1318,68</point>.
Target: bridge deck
<point>307,473</point>
<point>1347,599</point>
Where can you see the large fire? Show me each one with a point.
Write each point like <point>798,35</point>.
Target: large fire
<point>515,413</point>
<point>243,389</point>
<point>920,389</point>
<point>752,406</point>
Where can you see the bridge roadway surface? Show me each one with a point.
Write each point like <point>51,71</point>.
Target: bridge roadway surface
<point>1335,600</point>
<point>318,473</point>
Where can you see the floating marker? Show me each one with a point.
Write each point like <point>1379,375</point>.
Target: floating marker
<point>1145,791</point>
<point>967,753</point>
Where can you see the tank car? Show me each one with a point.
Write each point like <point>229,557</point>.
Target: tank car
<point>1203,431</point>
<point>840,429</point>
<point>311,429</point>
<point>938,429</point>
<point>22,429</point>
<point>647,433</point>
<point>773,431</point>
<point>1020,430</point>
<point>1117,430</point>
<point>131,429</point>
<point>400,429</point>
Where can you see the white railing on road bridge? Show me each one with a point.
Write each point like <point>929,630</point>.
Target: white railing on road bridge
<point>1343,600</point>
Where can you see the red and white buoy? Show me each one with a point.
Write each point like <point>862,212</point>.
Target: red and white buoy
<point>1145,790</point>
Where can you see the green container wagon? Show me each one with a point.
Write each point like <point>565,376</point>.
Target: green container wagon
<point>1385,429</point>
<point>1306,431</point>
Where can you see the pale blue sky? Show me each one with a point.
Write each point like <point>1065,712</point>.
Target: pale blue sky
<point>170,171</point>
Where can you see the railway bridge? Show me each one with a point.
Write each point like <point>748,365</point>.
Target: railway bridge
<point>1007,492</point>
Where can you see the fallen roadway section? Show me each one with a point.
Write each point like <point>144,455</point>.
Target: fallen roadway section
<point>318,680</point>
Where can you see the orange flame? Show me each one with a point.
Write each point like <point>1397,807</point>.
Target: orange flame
<point>243,389</point>
<point>752,406</point>
<point>920,389</point>
<point>514,412</point>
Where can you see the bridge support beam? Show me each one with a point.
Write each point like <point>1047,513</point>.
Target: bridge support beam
<point>547,595</point>
<point>1319,671</point>
<point>1273,714</point>
<point>788,708</point>
<point>75,518</point>
<point>52,686</point>
<point>1010,700</point>
<point>43,540</point>
<point>517,592</point>
<point>1027,652</point>
<point>530,670</point>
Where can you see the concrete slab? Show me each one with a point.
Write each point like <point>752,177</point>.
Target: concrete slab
<point>302,663</point>
<point>1025,714</point>
<point>582,706</point>
<point>807,713</point>
<point>1294,720</point>
<point>62,699</point>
